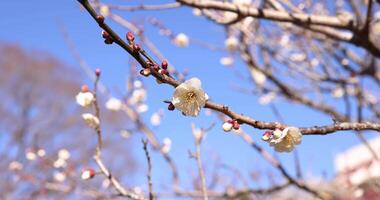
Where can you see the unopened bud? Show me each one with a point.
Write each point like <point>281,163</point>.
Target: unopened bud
<point>267,135</point>
<point>97,72</point>
<point>171,107</point>
<point>130,36</point>
<point>85,88</point>
<point>105,34</point>
<point>108,41</point>
<point>145,72</point>
<point>100,19</point>
<point>136,47</point>
<point>235,125</point>
<point>163,72</point>
<point>227,126</point>
<point>164,64</point>
<point>88,174</point>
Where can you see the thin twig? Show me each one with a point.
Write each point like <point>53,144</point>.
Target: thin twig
<point>149,172</point>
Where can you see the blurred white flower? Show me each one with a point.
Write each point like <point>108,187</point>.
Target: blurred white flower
<point>189,97</point>
<point>59,176</point>
<point>242,2</point>
<point>30,154</point>
<point>226,61</point>
<point>87,174</point>
<point>338,92</point>
<point>137,84</point>
<point>41,152</point>
<point>197,12</point>
<point>141,108</point>
<point>267,98</point>
<point>114,104</point>
<point>370,98</point>
<point>298,57</point>
<point>181,40</point>
<point>91,120</point>
<point>106,183</point>
<point>227,126</point>
<point>198,133</point>
<point>15,166</point>
<point>167,144</point>
<point>155,119</point>
<point>125,134</point>
<point>258,77</point>
<point>104,10</point>
<point>138,96</point>
<point>64,154</point>
<point>84,99</point>
<point>60,163</point>
<point>285,141</point>
<point>231,43</point>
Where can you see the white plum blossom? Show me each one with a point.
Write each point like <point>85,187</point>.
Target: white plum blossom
<point>114,104</point>
<point>181,40</point>
<point>155,119</point>
<point>91,120</point>
<point>231,43</point>
<point>189,97</point>
<point>59,176</point>
<point>285,141</point>
<point>85,99</point>
<point>167,144</point>
<point>258,77</point>
<point>226,61</point>
<point>15,166</point>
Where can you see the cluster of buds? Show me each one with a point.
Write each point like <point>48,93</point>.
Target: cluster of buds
<point>231,124</point>
<point>163,69</point>
<point>107,37</point>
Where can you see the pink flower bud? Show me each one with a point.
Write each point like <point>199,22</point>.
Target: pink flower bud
<point>130,36</point>
<point>85,88</point>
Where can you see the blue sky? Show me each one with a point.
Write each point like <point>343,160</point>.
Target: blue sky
<point>35,26</point>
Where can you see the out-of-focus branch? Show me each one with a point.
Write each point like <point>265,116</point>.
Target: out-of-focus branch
<point>149,173</point>
<point>145,7</point>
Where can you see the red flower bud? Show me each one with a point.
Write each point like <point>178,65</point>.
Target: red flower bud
<point>156,67</point>
<point>164,64</point>
<point>97,72</point>
<point>100,19</point>
<point>136,47</point>
<point>108,41</point>
<point>171,107</point>
<point>105,34</point>
<point>163,72</point>
<point>236,125</point>
<point>130,36</point>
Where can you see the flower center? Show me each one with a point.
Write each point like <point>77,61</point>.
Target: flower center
<point>189,97</point>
